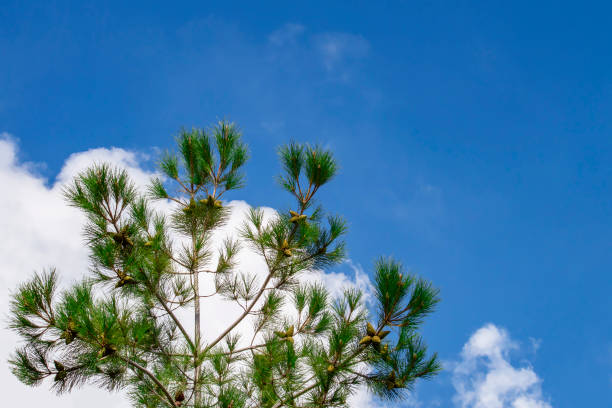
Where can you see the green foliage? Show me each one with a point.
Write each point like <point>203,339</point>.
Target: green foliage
<point>306,169</point>
<point>121,327</point>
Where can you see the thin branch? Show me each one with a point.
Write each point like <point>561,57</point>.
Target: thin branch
<point>244,349</point>
<point>152,377</point>
<point>176,320</point>
<point>242,316</point>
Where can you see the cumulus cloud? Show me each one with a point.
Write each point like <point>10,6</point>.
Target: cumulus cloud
<point>486,378</point>
<point>43,231</point>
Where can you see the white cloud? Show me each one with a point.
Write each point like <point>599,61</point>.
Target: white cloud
<point>42,231</point>
<point>45,232</point>
<point>339,48</point>
<point>364,399</point>
<point>287,34</point>
<point>336,52</point>
<point>485,377</point>
<point>336,282</point>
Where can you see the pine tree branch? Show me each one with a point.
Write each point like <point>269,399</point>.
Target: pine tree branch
<point>261,291</point>
<point>152,377</point>
<point>175,319</point>
<point>299,394</point>
<point>244,349</point>
<point>242,316</point>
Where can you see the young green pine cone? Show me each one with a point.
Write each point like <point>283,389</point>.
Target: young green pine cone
<point>70,333</point>
<point>70,336</point>
<point>117,237</point>
<point>293,213</point>
<point>148,243</point>
<point>376,339</point>
<point>390,381</point>
<point>218,204</point>
<point>67,335</point>
<point>290,339</point>
<point>189,208</point>
<point>370,329</point>
<point>126,280</point>
<point>365,340</point>
<point>121,238</point>
<point>297,218</point>
<point>330,368</point>
<point>285,248</point>
<point>107,350</point>
<point>395,384</point>
<point>286,334</point>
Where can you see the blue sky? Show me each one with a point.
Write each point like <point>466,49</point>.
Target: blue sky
<point>474,140</point>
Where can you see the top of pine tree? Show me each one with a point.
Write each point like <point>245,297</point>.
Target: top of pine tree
<point>136,320</point>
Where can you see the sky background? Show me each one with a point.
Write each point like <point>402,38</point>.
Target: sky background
<point>474,143</point>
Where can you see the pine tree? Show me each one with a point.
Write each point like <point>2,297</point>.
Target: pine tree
<point>123,326</point>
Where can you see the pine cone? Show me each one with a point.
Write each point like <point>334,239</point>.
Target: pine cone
<point>365,340</point>
<point>107,350</point>
<point>126,280</point>
<point>70,333</point>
